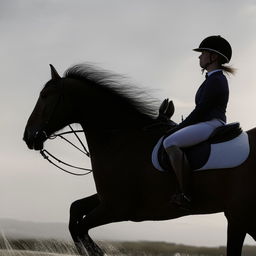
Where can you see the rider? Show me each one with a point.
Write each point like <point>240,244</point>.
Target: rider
<point>211,101</point>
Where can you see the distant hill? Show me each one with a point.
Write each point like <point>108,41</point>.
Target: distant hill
<point>147,248</point>
<point>36,230</point>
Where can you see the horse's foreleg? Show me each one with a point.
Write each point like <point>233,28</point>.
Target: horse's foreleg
<point>78,210</point>
<point>98,217</point>
<point>236,236</point>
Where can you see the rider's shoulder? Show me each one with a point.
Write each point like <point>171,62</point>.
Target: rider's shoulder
<point>217,77</point>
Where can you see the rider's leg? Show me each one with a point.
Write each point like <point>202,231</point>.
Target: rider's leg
<point>185,137</point>
<point>182,171</point>
<point>192,134</point>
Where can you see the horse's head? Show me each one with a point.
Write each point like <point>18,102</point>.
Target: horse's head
<point>92,98</point>
<point>52,112</point>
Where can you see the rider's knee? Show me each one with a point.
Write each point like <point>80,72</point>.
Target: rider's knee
<point>168,143</point>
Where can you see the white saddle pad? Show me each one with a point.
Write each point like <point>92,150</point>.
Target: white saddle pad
<point>228,154</point>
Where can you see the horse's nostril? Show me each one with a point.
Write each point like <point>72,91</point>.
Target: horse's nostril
<point>25,135</point>
<point>27,138</point>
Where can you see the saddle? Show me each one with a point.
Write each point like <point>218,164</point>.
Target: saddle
<point>199,154</point>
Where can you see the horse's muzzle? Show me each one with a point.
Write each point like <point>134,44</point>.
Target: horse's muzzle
<point>35,140</point>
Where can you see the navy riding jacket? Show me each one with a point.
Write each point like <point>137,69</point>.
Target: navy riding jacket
<point>211,100</point>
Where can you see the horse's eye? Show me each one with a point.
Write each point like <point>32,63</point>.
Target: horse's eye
<point>43,95</point>
<point>48,91</point>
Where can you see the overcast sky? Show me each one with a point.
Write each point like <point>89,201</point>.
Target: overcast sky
<point>149,41</point>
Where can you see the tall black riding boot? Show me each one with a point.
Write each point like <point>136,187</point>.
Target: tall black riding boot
<point>182,171</point>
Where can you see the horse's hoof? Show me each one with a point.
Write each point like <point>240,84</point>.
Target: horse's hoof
<point>87,247</point>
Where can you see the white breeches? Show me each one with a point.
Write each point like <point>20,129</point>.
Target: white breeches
<point>192,134</point>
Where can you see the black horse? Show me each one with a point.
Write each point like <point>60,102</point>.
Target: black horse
<point>121,131</point>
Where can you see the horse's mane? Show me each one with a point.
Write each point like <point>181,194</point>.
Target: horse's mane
<point>128,93</point>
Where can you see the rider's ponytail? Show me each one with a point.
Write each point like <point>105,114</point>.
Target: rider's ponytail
<point>228,69</point>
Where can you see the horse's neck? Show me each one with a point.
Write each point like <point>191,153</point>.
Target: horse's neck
<point>111,111</point>
<point>109,119</point>
<point>123,118</point>
<point>103,143</point>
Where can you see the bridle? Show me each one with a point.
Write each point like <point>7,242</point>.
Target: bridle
<point>49,156</point>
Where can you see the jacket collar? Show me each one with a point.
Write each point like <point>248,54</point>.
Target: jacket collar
<point>212,72</point>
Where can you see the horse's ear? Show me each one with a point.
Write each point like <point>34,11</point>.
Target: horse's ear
<point>54,73</point>
<point>166,110</point>
<point>170,109</point>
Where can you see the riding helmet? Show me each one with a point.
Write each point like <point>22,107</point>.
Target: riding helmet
<point>218,45</point>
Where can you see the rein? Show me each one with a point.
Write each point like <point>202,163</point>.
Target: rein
<point>47,155</point>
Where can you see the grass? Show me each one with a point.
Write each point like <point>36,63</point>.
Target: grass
<point>28,247</point>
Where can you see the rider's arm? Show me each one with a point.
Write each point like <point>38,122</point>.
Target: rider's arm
<point>212,96</point>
